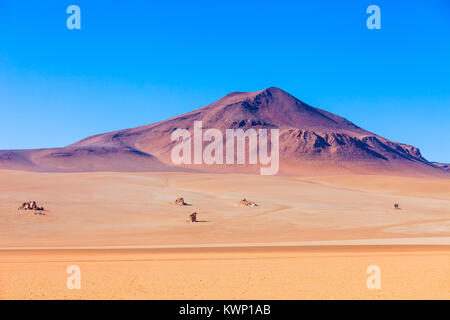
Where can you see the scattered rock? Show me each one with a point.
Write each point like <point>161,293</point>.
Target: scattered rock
<point>30,205</point>
<point>193,217</point>
<point>245,203</point>
<point>180,202</point>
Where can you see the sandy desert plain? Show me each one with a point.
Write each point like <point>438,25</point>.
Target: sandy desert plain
<point>309,237</point>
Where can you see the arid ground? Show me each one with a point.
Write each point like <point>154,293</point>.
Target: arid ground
<point>309,237</point>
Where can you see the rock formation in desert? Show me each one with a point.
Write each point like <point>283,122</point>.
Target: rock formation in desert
<point>312,141</point>
<point>31,205</point>
<point>246,203</point>
<point>193,217</point>
<point>180,202</point>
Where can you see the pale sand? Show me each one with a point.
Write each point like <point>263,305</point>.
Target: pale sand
<point>407,272</point>
<point>131,210</point>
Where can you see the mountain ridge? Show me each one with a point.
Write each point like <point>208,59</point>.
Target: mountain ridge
<point>309,137</point>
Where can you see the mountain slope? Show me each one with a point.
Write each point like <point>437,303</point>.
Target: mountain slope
<point>311,141</point>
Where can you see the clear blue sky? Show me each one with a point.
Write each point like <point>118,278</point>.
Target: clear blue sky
<point>138,62</point>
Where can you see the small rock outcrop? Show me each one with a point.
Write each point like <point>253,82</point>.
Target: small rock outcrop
<point>193,217</point>
<point>245,203</point>
<point>31,205</point>
<point>180,202</point>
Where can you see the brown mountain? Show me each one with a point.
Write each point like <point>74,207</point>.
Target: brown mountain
<point>312,141</point>
<point>443,166</point>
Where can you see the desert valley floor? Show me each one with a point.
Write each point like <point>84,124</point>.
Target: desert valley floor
<point>309,237</point>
